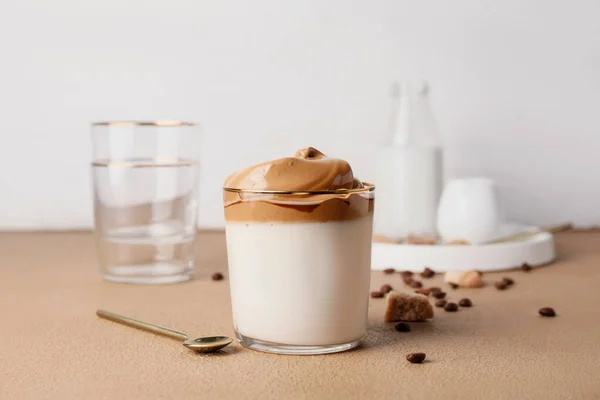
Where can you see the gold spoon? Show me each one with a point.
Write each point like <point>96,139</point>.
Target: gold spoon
<point>207,344</point>
<point>523,235</point>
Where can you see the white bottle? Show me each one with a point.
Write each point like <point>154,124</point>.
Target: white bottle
<point>409,175</point>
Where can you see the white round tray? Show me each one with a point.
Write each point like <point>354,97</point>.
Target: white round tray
<point>536,250</point>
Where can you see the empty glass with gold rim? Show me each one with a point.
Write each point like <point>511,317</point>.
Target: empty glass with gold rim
<point>145,179</point>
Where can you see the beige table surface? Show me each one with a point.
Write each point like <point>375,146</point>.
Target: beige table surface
<point>54,347</point>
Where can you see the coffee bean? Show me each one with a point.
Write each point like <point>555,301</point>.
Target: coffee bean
<point>376,294</point>
<point>435,289</point>
<point>500,285</point>
<point>416,285</point>
<point>428,273</point>
<point>217,276</point>
<point>416,358</point>
<point>507,281</point>
<point>407,280</point>
<point>406,274</point>
<point>439,295</point>
<point>453,285</point>
<point>389,271</point>
<point>547,312</point>
<point>451,307</point>
<point>465,303</point>
<point>526,267</point>
<point>402,327</point>
<point>423,291</point>
<point>440,303</point>
<point>385,289</point>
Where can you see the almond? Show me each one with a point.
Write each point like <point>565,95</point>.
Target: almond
<point>468,279</point>
<point>458,242</point>
<point>426,240</point>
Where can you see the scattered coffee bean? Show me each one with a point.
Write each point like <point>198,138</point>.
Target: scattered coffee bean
<point>426,292</point>
<point>389,271</point>
<point>465,303</point>
<point>547,312</point>
<point>439,295</point>
<point>376,294</point>
<point>500,285</point>
<point>416,358</point>
<point>406,273</point>
<point>451,307</point>
<point>453,285</point>
<point>428,273</point>
<point>385,289</point>
<point>507,281</point>
<point>217,276</point>
<point>440,303</point>
<point>526,267</point>
<point>402,327</point>
<point>416,285</point>
<point>407,280</point>
<point>434,289</point>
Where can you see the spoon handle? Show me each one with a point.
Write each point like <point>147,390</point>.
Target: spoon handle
<point>523,235</point>
<point>134,323</point>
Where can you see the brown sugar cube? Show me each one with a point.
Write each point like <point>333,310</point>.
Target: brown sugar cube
<point>468,279</point>
<point>407,307</point>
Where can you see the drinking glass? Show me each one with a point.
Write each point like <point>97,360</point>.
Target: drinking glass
<point>299,268</point>
<point>145,179</point>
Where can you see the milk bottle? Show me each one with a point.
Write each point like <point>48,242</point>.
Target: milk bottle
<point>409,173</point>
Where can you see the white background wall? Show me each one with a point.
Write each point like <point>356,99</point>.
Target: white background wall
<point>515,88</point>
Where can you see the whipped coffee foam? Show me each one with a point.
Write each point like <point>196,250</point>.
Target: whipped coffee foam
<point>309,170</point>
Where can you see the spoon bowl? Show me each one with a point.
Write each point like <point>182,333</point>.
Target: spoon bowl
<point>207,344</point>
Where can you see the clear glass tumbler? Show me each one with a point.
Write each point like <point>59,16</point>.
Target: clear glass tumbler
<point>145,180</point>
<point>299,268</point>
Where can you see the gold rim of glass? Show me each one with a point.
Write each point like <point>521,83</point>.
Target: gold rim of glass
<point>162,162</point>
<point>158,123</point>
<point>368,188</point>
